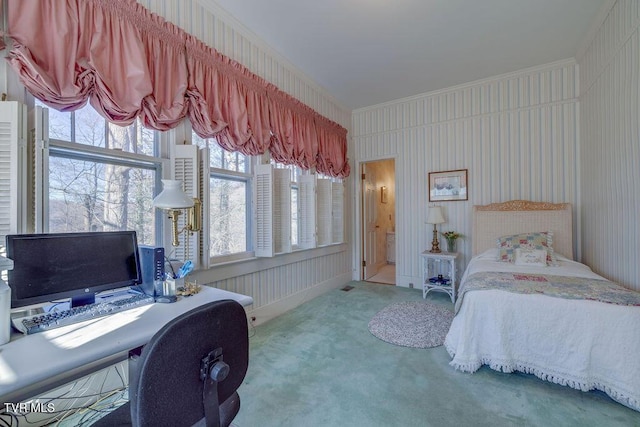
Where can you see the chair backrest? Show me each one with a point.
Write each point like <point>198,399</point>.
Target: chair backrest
<point>166,388</point>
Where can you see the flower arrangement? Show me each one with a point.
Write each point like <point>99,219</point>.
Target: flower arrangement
<point>451,237</point>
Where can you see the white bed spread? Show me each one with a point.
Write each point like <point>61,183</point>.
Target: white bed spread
<point>578,343</point>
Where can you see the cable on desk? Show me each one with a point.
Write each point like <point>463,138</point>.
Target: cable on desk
<point>11,416</point>
<point>72,398</point>
<point>94,411</point>
<point>54,305</point>
<point>168,261</point>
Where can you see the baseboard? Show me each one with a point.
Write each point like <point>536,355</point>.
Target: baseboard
<point>275,309</point>
<point>409,282</point>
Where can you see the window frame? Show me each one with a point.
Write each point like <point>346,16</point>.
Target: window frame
<point>247,178</point>
<point>58,148</point>
<point>250,178</point>
<point>295,171</point>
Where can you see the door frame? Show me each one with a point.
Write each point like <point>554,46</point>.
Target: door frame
<point>358,218</point>
<point>369,248</point>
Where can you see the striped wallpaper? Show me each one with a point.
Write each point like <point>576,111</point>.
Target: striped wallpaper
<point>287,280</point>
<point>610,140</point>
<point>517,135</point>
<point>218,29</point>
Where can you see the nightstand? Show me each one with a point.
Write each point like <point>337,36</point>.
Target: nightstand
<point>439,273</point>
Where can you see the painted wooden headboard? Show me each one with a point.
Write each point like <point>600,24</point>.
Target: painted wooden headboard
<point>522,216</point>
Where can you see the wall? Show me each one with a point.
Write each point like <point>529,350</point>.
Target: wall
<point>285,281</point>
<point>610,145</point>
<point>517,134</point>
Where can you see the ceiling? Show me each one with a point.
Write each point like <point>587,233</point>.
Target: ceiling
<point>366,52</point>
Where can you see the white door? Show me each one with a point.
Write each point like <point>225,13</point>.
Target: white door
<point>370,215</point>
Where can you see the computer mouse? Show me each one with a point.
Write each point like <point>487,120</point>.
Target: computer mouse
<point>167,298</point>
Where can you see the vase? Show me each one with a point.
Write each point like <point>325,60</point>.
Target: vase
<point>451,245</point>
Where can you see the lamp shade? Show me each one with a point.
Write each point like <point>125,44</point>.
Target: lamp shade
<point>435,215</point>
<point>172,196</point>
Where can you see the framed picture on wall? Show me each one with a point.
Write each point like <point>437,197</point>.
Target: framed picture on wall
<point>448,186</point>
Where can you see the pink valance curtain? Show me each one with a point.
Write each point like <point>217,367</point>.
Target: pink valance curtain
<point>2,45</point>
<point>332,159</point>
<point>128,62</point>
<point>226,101</point>
<point>294,138</point>
<point>118,56</point>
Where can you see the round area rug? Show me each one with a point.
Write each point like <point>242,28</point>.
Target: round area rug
<point>412,324</point>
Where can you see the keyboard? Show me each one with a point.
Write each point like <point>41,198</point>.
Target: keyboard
<point>56,319</point>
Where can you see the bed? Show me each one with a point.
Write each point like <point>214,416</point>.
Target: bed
<point>550,332</point>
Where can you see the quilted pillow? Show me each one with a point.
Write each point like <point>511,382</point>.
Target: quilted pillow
<point>531,257</point>
<point>542,240</point>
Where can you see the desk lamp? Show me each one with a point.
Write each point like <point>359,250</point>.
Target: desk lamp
<point>172,199</point>
<point>435,217</point>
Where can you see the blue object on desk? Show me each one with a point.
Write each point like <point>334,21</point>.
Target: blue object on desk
<point>186,268</point>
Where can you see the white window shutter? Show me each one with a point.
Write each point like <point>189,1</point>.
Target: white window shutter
<point>38,178</point>
<point>185,168</point>
<point>263,202</point>
<point>337,212</point>
<point>282,210</point>
<point>13,121</point>
<point>307,203</point>
<point>324,207</point>
<point>204,195</point>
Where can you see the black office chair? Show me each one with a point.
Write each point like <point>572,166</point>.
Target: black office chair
<point>189,372</point>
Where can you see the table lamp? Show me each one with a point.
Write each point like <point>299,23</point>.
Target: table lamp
<point>435,217</point>
<point>172,199</point>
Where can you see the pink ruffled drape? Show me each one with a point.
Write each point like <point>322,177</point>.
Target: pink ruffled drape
<point>115,54</point>
<point>332,153</point>
<point>226,101</point>
<point>2,45</point>
<point>128,63</point>
<point>166,106</point>
<point>294,138</point>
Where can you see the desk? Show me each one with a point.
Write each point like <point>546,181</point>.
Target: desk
<point>32,364</point>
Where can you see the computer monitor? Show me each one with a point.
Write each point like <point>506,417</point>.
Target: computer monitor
<point>49,267</point>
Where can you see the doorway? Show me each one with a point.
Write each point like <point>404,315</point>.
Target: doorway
<point>379,221</point>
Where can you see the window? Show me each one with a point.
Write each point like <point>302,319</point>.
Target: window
<point>316,208</point>
<point>229,202</point>
<point>295,213</point>
<point>85,126</point>
<point>101,177</point>
<point>330,209</point>
<point>286,203</point>
<point>294,172</point>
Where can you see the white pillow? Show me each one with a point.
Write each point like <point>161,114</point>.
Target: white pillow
<point>491,254</point>
<point>531,257</point>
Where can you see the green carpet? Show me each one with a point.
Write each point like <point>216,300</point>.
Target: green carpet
<point>318,365</point>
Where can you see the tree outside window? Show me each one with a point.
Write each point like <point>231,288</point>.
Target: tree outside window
<point>92,186</point>
<point>229,200</point>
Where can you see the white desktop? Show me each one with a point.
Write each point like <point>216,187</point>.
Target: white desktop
<point>52,268</point>
<point>30,364</point>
